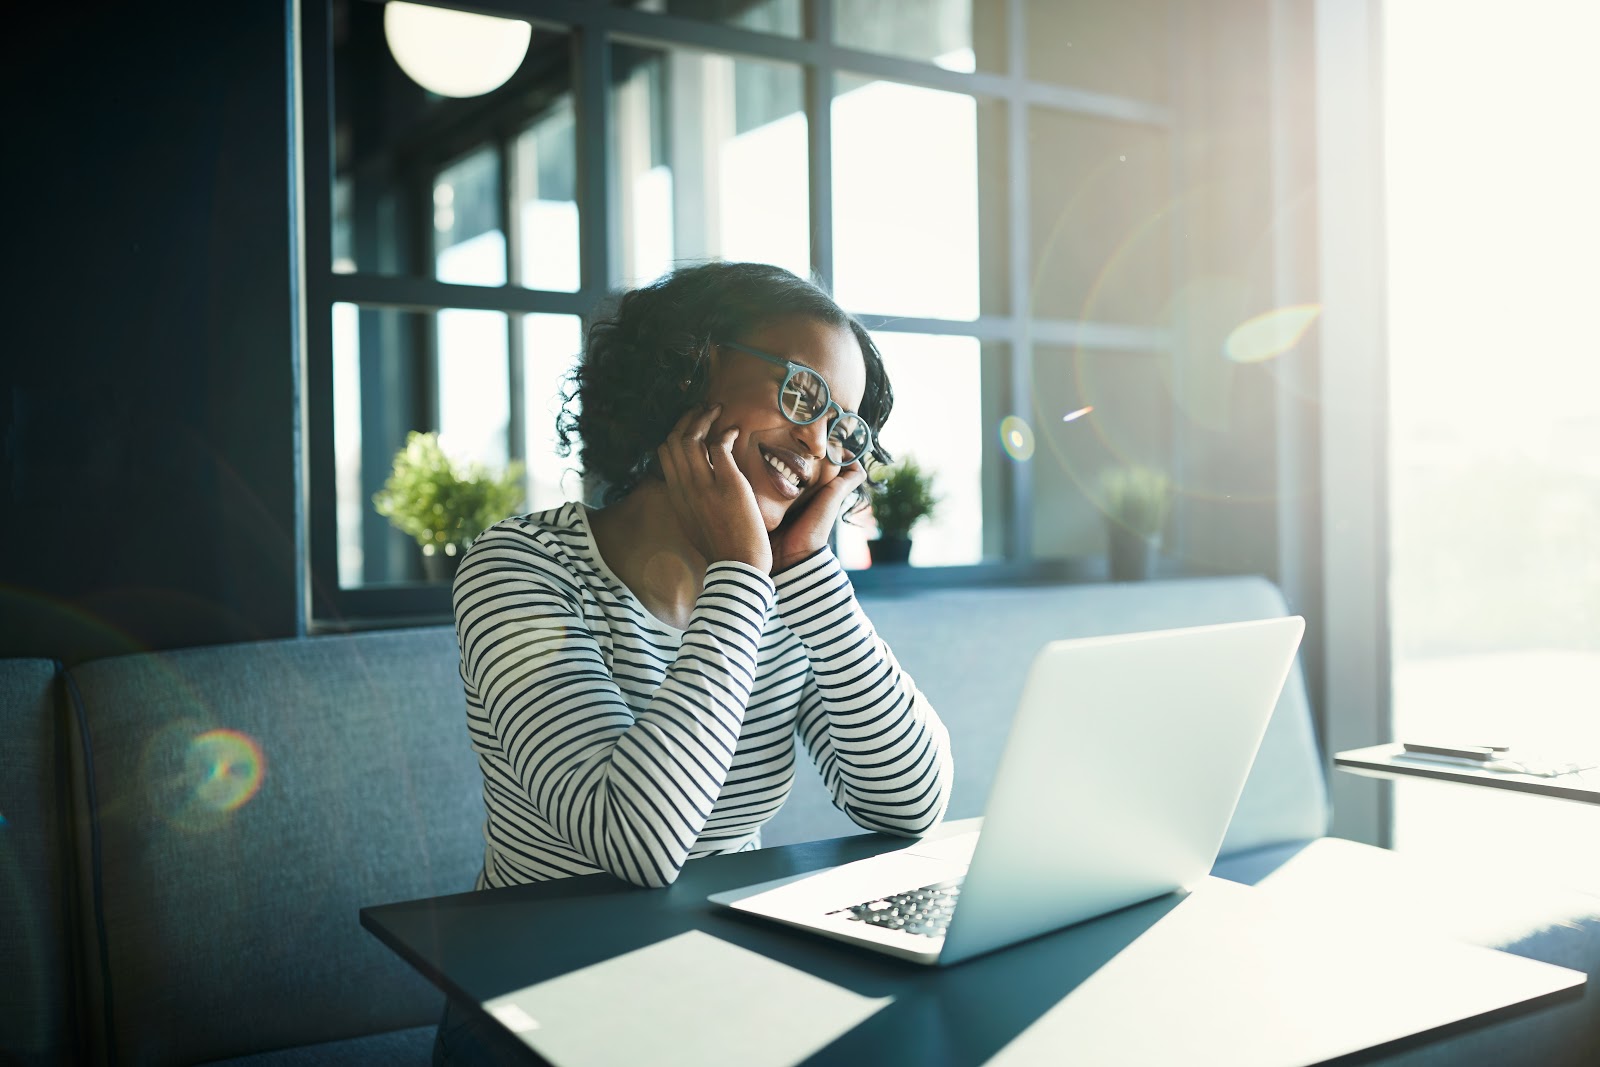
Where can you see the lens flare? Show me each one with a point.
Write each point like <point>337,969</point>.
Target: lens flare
<point>1072,416</point>
<point>226,768</point>
<point>1016,437</point>
<point>197,775</point>
<point>1270,334</point>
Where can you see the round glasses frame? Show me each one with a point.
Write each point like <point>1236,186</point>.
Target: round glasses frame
<point>792,368</point>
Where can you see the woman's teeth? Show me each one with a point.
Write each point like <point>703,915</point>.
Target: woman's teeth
<point>782,468</point>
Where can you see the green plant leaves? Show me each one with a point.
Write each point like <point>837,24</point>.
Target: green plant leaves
<point>902,497</point>
<point>438,502</point>
<point>1138,498</point>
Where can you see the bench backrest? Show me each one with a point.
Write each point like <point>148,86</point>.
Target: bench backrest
<point>223,923</point>
<point>37,1023</point>
<point>969,651</point>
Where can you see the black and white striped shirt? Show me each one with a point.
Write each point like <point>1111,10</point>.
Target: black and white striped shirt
<point>611,741</point>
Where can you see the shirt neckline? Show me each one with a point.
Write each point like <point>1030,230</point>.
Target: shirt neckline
<point>580,512</point>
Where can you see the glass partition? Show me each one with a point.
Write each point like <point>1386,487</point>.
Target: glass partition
<point>420,177</point>
<point>947,33</point>
<point>906,209</point>
<point>708,160</point>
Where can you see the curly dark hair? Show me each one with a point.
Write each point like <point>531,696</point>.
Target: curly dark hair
<point>627,391</point>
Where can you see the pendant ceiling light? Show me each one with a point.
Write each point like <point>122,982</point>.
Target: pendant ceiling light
<point>454,53</point>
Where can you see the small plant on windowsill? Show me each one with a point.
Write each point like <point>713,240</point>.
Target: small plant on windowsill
<point>443,505</point>
<point>1138,502</point>
<point>902,495</point>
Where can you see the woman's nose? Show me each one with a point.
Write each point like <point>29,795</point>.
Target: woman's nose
<point>814,438</point>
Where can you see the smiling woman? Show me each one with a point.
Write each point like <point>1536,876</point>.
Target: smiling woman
<point>635,672</point>
<point>636,675</point>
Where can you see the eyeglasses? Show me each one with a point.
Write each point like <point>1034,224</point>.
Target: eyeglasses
<point>804,398</point>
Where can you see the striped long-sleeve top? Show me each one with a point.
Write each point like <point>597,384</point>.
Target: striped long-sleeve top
<point>610,741</point>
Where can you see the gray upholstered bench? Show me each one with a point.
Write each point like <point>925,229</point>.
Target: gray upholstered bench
<point>215,934</point>
<point>204,936</point>
<point>38,1004</point>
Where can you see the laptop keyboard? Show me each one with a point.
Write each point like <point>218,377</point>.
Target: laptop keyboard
<point>924,911</point>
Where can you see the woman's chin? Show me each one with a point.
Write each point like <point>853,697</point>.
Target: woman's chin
<point>773,511</point>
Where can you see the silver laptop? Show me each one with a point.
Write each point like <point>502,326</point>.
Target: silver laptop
<point>1124,764</point>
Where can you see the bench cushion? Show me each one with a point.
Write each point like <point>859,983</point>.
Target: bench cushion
<point>969,651</point>
<point>221,932</point>
<point>36,1022</point>
<point>399,1048</point>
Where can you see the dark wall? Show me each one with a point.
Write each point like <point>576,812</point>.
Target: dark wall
<point>147,382</point>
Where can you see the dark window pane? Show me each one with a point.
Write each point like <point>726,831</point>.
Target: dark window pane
<point>469,246</point>
<point>418,174</point>
<point>546,169</point>
<point>763,16</point>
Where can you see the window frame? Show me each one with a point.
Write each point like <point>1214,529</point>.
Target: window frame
<point>593,26</point>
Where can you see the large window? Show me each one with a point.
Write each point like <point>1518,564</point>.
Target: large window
<point>1494,465</point>
<point>994,205</point>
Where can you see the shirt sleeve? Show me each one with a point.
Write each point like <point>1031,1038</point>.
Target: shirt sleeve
<point>630,792</point>
<point>882,751</point>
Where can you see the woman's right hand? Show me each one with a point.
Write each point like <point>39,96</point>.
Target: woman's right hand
<point>713,500</point>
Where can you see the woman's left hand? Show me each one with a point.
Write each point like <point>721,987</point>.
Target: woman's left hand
<point>807,525</point>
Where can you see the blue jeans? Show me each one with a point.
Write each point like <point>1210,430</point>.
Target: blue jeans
<point>466,1039</point>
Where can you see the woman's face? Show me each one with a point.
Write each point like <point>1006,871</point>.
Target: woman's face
<point>747,389</point>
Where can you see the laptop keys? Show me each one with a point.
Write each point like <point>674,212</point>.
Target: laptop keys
<point>925,911</point>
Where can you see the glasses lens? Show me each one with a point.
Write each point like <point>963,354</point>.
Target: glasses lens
<point>804,397</point>
<point>848,439</point>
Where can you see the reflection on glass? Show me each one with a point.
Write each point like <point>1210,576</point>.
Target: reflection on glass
<point>937,419</point>
<point>350,498</point>
<point>940,31</point>
<point>1102,213</point>
<point>474,396</point>
<point>709,159</point>
<point>905,200</point>
<point>1109,46</point>
<point>547,200</point>
<point>383,360</point>
<point>551,344</point>
<point>417,176</point>
<point>763,16</point>
<point>1130,421</point>
<point>469,245</point>
<point>343,253</point>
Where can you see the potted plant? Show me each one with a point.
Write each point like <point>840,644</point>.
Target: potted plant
<point>901,498</point>
<point>444,505</point>
<point>1138,501</point>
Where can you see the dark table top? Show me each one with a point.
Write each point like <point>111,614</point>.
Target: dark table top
<point>480,946</point>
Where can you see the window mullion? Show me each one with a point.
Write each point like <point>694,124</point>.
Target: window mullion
<point>819,89</point>
<point>510,199</point>
<point>1020,494</point>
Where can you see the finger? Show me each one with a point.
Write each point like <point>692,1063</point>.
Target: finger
<point>671,471</point>
<point>846,482</point>
<point>720,448</point>
<point>685,421</point>
<point>698,426</point>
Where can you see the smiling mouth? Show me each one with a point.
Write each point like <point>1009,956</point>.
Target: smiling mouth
<point>785,469</point>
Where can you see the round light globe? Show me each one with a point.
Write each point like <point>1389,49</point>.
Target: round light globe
<point>454,53</point>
